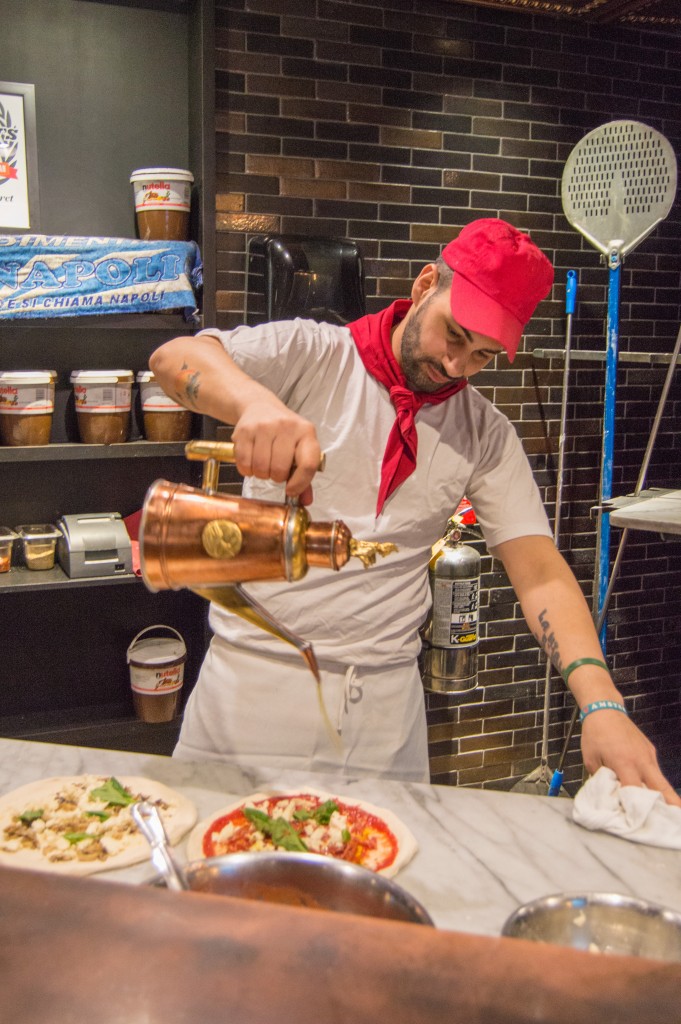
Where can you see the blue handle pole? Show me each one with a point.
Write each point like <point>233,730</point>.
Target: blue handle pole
<point>570,292</point>
<point>603,545</point>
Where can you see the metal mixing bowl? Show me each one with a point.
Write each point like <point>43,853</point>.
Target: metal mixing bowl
<point>600,923</point>
<point>305,880</point>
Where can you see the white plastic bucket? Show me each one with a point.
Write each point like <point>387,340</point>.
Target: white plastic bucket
<point>156,666</point>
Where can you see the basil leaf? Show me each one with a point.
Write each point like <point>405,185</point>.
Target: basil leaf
<point>78,837</point>
<point>283,834</point>
<point>258,818</point>
<point>280,831</point>
<point>28,816</point>
<point>102,815</point>
<point>112,793</point>
<point>323,813</point>
<point>345,835</point>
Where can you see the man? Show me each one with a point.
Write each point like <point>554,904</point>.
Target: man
<point>387,400</point>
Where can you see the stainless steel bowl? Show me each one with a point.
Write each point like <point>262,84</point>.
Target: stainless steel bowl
<point>600,923</point>
<point>305,880</point>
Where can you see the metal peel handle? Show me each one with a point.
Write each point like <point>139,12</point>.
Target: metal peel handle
<point>148,821</point>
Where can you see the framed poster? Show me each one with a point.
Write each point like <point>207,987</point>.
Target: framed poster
<point>19,202</point>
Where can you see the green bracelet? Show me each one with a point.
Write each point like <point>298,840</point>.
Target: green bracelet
<point>582,661</point>
<point>602,705</point>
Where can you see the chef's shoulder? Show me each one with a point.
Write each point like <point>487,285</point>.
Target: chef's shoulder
<point>472,411</point>
<point>280,337</point>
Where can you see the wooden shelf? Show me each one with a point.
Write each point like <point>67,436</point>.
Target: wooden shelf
<point>21,578</point>
<point>114,321</point>
<point>79,452</point>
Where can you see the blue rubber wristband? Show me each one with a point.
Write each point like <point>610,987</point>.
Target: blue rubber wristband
<point>602,705</point>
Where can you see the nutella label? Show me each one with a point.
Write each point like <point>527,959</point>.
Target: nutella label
<point>102,397</point>
<point>156,680</point>
<point>27,400</point>
<point>162,195</point>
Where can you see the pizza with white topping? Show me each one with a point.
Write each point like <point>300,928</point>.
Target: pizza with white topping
<point>81,824</point>
<point>309,821</point>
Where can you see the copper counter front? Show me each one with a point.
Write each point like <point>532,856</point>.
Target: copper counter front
<point>76,950</point>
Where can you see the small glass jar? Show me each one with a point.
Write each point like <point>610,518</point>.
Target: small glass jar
<point>7,539</point>
<point>39,544</point>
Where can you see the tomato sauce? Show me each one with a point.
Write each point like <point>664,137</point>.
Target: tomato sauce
<point>370,837</point>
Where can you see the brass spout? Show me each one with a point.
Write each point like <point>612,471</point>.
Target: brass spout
<point>366,550</point>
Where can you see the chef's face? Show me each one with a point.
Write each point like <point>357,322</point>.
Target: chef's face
<point>433,350</point>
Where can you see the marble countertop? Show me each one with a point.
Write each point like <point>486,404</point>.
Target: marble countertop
<point>481,853</point>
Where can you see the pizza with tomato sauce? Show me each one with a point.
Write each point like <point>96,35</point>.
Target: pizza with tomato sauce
<point>312,822</point>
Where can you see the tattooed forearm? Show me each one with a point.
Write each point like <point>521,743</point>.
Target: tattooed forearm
<point>188,385</point>
<point>548,642</point>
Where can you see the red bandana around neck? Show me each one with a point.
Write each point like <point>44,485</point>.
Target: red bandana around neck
<point>371,334</point>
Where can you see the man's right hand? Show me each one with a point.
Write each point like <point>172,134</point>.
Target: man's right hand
<point>270,441</point>
<point>273,443</point>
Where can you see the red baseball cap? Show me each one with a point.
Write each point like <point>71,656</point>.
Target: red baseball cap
<point>500,277</point>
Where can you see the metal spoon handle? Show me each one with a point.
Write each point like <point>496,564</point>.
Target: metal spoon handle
<point>148,821</point>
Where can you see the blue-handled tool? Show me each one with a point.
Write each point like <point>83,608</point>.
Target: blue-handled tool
<point>571,292</point>
<point>556,782</point>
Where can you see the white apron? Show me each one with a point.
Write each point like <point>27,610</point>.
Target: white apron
<point>258,711</point>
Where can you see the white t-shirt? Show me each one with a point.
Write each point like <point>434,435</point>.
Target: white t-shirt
<point>359,616</point>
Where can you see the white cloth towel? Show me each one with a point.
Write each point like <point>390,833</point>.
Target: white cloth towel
<point>632,812</point>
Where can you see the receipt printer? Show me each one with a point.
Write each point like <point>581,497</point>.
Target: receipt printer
<point>97,544</point>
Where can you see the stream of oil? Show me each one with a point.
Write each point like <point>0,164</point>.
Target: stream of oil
<point>233,599</point>
<point>311,661</point>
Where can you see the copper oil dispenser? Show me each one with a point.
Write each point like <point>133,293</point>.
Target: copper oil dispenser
<point>211,543</point>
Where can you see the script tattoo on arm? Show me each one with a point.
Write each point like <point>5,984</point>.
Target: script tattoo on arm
<point>548,642</point>
<point>189,381</point>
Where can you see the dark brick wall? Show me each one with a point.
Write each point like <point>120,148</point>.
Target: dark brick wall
<point>395,125</point>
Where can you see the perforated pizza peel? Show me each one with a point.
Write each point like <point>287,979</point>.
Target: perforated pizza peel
<point>619,183</point>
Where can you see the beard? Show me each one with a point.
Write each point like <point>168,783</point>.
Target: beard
<point>413,363</point>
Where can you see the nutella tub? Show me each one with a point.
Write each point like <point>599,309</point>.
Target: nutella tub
<point>26,407</point>
<point>164,419</point>
<point>157,673</point>
<point>162,202</point>
<point>103,399</point>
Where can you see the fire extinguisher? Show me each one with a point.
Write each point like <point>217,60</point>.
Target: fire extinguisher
<point>450,655</point>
